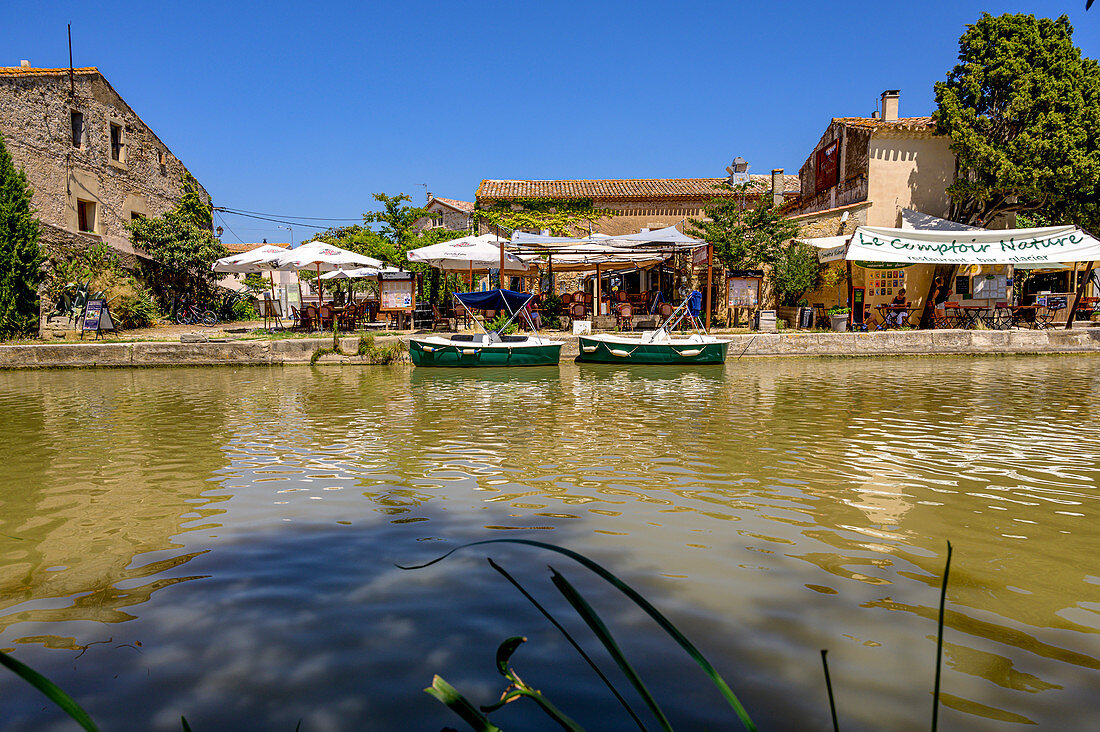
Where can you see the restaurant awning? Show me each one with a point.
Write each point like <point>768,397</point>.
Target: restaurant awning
<point>1023,248</point>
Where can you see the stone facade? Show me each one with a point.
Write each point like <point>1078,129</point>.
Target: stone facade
<point>638,203</point>
<point>447,213</point>
<point>92,162</point>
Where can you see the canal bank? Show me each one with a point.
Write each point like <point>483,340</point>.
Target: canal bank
<point>301,350</point>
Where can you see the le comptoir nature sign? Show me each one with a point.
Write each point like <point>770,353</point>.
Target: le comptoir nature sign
<point>1020,247</point>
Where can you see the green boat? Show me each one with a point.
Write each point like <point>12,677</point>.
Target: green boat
<point>489,348</point>
<point>657,346</point>
<point>484,349</point>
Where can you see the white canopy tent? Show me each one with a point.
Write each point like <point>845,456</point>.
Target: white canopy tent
<point>255,260</point>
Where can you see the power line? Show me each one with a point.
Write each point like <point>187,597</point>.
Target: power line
<point>277,221</point>
<point>287,216</point>
<point>230,228</point>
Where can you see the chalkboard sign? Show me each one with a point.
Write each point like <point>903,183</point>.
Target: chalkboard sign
<point>97,318</point>
<point>858,294</point>
<point>806,318</point>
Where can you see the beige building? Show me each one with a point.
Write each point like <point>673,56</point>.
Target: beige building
<point>447,213</point>
<point>92,162</point>
<point>866,171</point>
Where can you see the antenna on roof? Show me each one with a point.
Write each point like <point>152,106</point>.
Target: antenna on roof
<point>72,84</point>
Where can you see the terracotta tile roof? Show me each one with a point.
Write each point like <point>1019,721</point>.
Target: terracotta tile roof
<point>466,206</point>
<point>242,247</point>
<point>916,124</point>
<point>628,189</point>
<point>21,71</point>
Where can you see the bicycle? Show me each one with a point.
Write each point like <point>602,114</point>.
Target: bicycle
<point>189,313</point>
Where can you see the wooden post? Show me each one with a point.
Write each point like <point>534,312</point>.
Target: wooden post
<point>1081,285</point>
<point>596,297</point>
<point>471,275</point>
<point>710,271</point>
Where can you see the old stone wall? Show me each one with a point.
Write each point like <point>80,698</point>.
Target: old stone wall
<point>36,122</point>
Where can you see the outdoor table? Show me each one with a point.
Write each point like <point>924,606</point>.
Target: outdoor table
<point>886,311</point>
<point>1000,318</point>
<point>971,314</point>
<point>1023,314</point>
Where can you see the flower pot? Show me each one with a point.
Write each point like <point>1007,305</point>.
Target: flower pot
<point>839,322</point>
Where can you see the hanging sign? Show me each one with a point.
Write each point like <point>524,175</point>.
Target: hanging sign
<point>1019,247</point>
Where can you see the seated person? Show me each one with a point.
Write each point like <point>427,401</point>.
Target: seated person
<point>898,317</point>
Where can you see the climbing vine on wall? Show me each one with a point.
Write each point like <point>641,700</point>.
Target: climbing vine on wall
<point>562,217</point>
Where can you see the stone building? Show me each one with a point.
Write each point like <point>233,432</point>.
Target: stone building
<point>447,213</point>
<point>638,203</point>
<point>92,162</point>
<point>867,171</point>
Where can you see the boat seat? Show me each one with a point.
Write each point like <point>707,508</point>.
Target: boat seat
<point>471,337</point>
<point>513,339</point>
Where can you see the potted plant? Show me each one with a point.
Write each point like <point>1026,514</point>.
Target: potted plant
<point>838,318</point>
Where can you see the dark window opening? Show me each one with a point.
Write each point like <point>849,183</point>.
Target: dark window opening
<point>77,119</point>
<point>116,142</point>
<point>85,212</point>
<point>134,215</point>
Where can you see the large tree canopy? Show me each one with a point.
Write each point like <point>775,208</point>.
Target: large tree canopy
<point>181,243</point>
<point>20,256</point>
<point>1022,108</point>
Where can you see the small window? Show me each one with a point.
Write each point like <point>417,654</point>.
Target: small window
<point>134,215</point>
<point>437,219</point>
<point>77,120</point>
<point>116,142</point>
<point>85,214</point>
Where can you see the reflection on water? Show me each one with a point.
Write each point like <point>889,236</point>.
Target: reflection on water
<point>191,541</point>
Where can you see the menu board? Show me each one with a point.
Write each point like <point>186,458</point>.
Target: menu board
<point>991,287</point>
<point>97,318</point>
<point>396,294</point>
<point>742,292</point>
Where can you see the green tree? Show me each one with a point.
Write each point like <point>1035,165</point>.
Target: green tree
<point>757,236</point>
<point>180,243</point>
<point>398,222</point>
<point>20,256</point>
<point>1022,108</point>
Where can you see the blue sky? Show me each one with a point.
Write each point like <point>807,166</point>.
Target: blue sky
<point>306,109</point>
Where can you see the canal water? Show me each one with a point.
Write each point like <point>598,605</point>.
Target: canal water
<point>221,543</point>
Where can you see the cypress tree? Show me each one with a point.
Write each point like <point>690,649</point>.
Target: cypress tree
<point>20,256</point>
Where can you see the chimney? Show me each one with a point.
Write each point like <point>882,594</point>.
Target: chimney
<point>890,99</point>
<point>24,63</point>
<point>779,186</point>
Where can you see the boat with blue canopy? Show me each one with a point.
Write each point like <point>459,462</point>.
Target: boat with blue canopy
<point>490,347</point>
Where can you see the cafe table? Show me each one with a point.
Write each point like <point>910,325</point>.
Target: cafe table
<point>971,315</point>
<point>889,313</point>
<point>1023,314</point>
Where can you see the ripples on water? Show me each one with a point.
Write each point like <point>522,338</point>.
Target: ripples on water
<point>220,543</point>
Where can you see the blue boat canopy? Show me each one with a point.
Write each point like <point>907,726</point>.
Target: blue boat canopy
<point>494,299</point>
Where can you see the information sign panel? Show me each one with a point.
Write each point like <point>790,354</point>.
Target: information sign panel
<point>396,294</point>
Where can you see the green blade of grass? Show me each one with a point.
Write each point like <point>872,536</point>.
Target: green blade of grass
<point>604,635</point>
<point>186,726</point>
<point>572,642</point>
<point>460,705</point>
<point>829,688</point>
<point>551,711</point>
<point>638,600</point>
<point>939,641</point>
<point>52,691</point>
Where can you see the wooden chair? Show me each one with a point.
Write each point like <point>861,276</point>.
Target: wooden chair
<point>619,296</point>
<point>625,317</point>
<point>312,318</point>
<point>440,318</point>
<point>566,299</point>
<point>346,319</point>
<point>952,317</point>
<point>577,311</point>
<point>325,314</point>
<point>301,320</point>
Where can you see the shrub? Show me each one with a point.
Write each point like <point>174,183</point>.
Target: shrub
<point>245,309</point>
<point>138,309</point>
<point>498,322</point>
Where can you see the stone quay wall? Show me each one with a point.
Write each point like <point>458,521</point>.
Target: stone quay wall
<point>299,351</point>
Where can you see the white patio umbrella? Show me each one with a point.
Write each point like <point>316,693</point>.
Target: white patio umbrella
<point>321,255</point>
<point>470,253</point>
<point>253,261</point>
